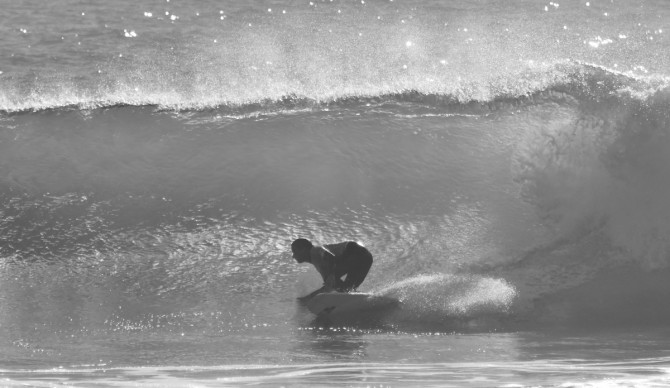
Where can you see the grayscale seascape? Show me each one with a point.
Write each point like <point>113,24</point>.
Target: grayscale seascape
<point>507,164</point>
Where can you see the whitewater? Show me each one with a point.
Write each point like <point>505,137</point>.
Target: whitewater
<point>506,163</point>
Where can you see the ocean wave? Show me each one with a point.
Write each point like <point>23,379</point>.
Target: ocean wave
<point>585,147</point>
<point>604,168</point>
<point>535,82</point>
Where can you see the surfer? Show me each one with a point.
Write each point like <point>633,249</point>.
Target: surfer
<point>333,261</point>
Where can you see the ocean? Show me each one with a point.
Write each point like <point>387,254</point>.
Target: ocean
<point>507,163</point>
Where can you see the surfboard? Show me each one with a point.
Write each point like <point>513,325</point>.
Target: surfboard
<point>340,303</point>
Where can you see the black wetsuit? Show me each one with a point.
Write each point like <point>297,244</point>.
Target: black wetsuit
<point>346,258</point>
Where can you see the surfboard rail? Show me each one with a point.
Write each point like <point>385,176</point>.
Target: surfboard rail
<point>340,303</point>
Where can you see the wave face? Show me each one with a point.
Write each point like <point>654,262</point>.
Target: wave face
<point>501,180</point>
<point>510,206</point>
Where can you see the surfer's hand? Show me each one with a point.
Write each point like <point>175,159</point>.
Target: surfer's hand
<point>308,297</point>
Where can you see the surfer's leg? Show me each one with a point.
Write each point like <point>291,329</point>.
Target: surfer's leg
<point>359,262</point>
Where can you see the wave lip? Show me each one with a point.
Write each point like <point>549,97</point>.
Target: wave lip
<point>458,95</point>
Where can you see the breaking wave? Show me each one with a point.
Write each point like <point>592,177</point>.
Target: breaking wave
<point>144,180</point>
<point>458,95</point>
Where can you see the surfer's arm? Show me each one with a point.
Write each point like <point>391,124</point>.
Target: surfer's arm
<point>326,267</point>
<point>306,297</point>
<point>328,286</point>
<point>331,283</point>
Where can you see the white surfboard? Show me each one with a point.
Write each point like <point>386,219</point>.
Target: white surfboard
<point>339,303</point>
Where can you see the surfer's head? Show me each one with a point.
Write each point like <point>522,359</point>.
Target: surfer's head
<point>301,249</point>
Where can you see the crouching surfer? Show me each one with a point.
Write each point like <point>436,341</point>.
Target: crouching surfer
<point>333,261</point>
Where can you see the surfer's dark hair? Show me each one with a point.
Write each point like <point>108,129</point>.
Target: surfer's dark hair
<point>300,244</point>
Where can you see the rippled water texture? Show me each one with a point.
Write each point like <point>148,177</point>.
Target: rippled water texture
<point>505,163</point>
